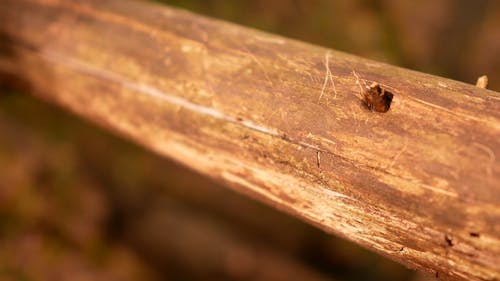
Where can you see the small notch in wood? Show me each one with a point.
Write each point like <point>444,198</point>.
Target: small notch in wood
<point>449,240</point>
<point>474,234</point>
<point>377,98</point>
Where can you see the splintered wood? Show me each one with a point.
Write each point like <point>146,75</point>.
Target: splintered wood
<point>417,179</point>
<point>482,82</point>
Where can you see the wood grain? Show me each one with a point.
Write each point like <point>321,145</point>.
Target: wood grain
<point>280,120</point>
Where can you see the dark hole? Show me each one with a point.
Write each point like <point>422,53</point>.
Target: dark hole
<point>377,98</point>
<point>474,234</point>
<point>449,240</point>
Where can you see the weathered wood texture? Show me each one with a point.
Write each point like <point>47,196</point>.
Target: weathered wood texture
<point>281,121</point>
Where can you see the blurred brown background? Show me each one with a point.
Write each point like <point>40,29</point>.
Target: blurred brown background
<point>77,203</point>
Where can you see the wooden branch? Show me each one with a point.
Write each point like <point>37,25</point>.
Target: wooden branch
<point>282,121</point>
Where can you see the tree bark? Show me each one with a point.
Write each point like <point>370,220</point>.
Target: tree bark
<point>282,121</point>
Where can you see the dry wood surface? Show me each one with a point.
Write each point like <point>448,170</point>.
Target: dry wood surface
<point>280,120</point>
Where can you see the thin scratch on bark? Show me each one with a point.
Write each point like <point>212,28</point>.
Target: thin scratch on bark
<point>328,141</point>
<point>272,114</point>
<point>258,62</point>
<point>321,139</point>
<point>311,77</point>
<point>491,154</point>
<point>325,82</point>
<point>328,77</point>
<point>331,193</point>
<point>396,157</point>
<point>331,76</point>
<point>318,158</point>
<point>439,190</point>
<point>308,145</point>
<point>358,82</point>
<point>495,125</point>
